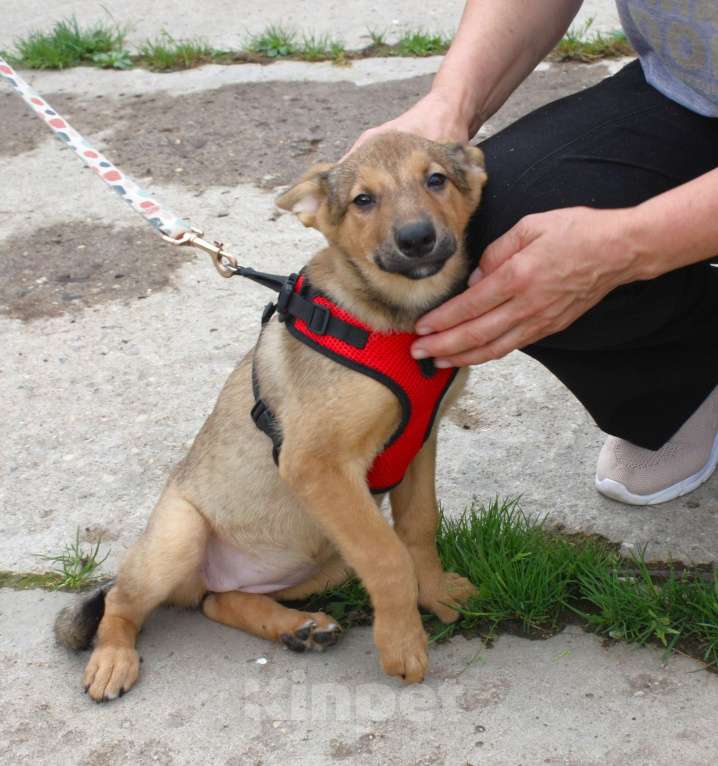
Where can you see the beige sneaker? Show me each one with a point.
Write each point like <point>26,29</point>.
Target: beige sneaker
<point>638,476</point>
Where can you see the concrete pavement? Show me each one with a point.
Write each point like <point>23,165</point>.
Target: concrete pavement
<point>210,695</point>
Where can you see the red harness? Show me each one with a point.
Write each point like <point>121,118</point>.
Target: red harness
<point>317,321</point>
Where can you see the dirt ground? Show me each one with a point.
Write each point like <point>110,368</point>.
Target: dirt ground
<point>263,133</point>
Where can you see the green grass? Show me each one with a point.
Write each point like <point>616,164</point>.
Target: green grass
<point>321,48</point>
<point>532,580</point>
<point>164,53</point>
<point>629,605</point>
<point>377,37</point>
<point>579,45</point>
<point>420,43</point>
<point>120,59</point>
<point>274,42</point>
<point>66,45</point>
<point>76,567</point>
<point>524,574</point>
<point>102,45</point>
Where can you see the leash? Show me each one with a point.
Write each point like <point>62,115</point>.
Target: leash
<point>171,227</point>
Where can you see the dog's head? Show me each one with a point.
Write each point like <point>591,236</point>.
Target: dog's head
<point>396,208</point>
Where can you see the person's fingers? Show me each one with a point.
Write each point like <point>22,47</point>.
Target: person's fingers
<point>482,296</point>
<point>530,328</point>
<point>517,337</point>
<point>500,250</point>
<point>476,333</point>
<point>475,276</point>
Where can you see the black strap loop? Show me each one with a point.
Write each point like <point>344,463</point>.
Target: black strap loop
<point>265,419</point>
<point>319,319</point>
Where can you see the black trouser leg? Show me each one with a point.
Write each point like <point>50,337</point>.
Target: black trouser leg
<point>643,359</point>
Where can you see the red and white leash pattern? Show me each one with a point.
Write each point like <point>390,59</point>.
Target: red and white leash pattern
<point>131,192</point>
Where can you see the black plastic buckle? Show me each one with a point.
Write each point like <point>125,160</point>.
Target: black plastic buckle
<point>319,320</point>
<point>285,295</point>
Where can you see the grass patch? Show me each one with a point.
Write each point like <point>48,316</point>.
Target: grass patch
<point>274,42</point>
<point>103,46</point>
<point>419,43</point>
<point>164,53</point>
<point>322,48</point>
<point>75,568</point>
<point>579,44</point>
<point>628,604</point>
<point>29,580</point>
<point>533,581</point>
<point>377,37</point>
<point>66,45</point>
<point>412,43</point>
<point>525,575</point>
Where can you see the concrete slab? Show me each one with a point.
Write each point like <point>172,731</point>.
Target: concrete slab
<point>208,694</point>
<point>226,24</point>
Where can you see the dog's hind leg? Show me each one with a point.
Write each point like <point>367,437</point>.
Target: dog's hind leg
<point>334,571</point>
<point>264,617</point>
<point>166,560</point>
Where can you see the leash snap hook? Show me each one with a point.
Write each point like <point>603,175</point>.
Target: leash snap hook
<point>225,264</point>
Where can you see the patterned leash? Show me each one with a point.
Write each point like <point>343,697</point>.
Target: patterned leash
<point>171,227</point>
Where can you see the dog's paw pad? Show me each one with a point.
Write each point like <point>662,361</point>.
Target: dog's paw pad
<point>327,637</point>
<point>293,643</point>
<point>312,636</point>
<point>305,632</point>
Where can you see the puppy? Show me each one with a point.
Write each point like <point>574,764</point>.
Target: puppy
<point>238,534</point>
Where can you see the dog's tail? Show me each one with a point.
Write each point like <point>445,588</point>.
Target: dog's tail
<point>76,625</point>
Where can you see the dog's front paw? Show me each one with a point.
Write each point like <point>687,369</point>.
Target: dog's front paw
<point>111,671</point>
<point>316,633</point>
<point>402,648</point>
<point>438,595</point>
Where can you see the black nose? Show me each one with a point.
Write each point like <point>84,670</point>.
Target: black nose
<point>416,239</point>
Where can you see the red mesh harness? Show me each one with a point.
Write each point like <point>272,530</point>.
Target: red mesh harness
<point>318,322</point>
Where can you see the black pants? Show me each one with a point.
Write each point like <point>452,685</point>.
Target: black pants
<point>643,359</point>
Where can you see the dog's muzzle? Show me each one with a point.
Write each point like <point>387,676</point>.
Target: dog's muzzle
<point>416,251</point>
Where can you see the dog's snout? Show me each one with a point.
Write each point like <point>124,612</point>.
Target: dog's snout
<point>416,239</point>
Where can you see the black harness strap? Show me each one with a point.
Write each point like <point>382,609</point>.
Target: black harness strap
<point>317,318</point>
<point>263,417</point>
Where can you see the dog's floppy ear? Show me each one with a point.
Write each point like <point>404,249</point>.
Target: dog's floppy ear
<point>469,159</point>
<point>306,196</point>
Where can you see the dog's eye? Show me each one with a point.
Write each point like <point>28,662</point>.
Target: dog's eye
<point>436,181</point>
<point>363,200</point>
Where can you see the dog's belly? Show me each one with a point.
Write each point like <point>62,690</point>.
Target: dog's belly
<point>228,568</point>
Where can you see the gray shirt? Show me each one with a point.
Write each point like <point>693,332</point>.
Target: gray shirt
<point>677,41</point>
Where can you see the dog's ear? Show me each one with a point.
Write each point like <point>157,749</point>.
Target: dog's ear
<point>469,160</point>
<point>306,196</point>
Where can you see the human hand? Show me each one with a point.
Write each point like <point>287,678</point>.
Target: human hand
<point>533,281</point>
<point>434,117</point>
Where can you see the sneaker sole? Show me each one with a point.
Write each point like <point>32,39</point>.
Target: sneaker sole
<point>617,491</point>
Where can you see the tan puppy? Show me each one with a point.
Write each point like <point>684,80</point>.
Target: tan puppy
<point>230,522</point>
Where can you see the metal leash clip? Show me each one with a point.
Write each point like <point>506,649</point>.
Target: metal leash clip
<point>225,264</point>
